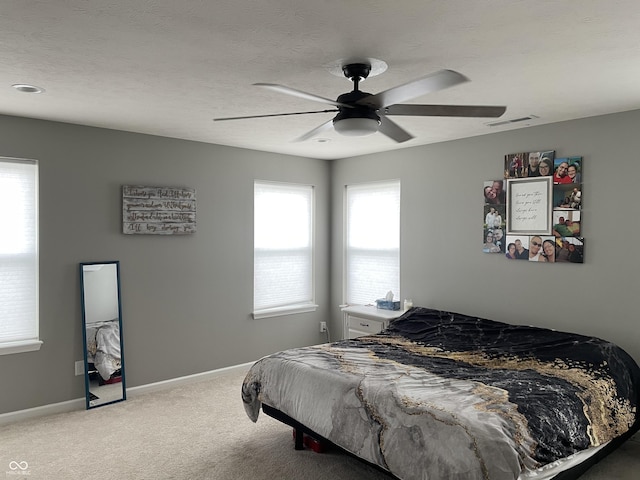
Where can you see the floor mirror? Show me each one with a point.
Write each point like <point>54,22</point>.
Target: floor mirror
<point>102,333</point>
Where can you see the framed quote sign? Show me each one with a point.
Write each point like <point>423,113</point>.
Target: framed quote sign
<point>529,202</point>
<point>158,210</point>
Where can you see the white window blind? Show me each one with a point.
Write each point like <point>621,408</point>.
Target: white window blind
<point>372,241</point>
<point>283,249</point>
<point>18,256</point>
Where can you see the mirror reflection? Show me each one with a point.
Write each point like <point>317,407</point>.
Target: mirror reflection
<point>102,333</point>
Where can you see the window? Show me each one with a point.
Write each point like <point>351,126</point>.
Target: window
<point>18,256</point>
<point>282,249</point>
<point>372,242</point>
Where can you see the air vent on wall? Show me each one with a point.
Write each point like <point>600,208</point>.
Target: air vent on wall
<point>514,120</point>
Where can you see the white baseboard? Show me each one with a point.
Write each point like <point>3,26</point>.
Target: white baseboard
<point>80,403</point>
<point>175,382</point>
<point>44,410</point>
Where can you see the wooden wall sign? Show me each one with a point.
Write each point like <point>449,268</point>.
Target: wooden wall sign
<point>158,210</point>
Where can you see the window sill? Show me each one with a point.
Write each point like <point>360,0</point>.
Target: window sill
<point>20,347</point>
<point>288,310</point>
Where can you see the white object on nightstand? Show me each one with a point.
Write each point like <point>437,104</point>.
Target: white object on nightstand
<point>359,320</point>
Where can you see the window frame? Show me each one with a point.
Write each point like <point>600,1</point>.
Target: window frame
<point>346,291</point>
<point>293,307</point>
<point>33,342</point>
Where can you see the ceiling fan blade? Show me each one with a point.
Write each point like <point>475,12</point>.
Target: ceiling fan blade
<point>393,130</point>
<point>402,93</point>
<point>300,94</point>
<point>445,110</point>
<point>312,133</point>
<point>272,115</point>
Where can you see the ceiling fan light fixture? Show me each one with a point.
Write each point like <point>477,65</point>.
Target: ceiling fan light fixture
<point>356,127</point>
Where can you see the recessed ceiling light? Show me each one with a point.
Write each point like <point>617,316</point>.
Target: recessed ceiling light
<point>26,88</point>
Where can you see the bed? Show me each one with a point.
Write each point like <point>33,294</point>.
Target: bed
<point>442,395</point>
<point>103,349</point>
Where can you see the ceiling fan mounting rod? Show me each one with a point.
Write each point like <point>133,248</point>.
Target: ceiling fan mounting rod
<point>356,72</point>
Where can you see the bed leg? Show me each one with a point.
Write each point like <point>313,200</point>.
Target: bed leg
<point>298,435</point>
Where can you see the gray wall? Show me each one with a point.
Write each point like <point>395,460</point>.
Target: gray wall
<point>186,299</point>
<point>442,265</point>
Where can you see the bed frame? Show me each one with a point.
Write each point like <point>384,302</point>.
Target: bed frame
<point>300,430</point>
<point>572,473</point>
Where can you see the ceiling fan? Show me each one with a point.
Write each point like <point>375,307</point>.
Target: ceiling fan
<point>361,113</point>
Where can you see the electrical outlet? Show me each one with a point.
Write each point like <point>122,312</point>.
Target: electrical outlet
<point>80,367</point>
<point>323,327</point>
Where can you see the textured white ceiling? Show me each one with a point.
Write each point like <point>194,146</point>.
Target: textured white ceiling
<point>167,67</point>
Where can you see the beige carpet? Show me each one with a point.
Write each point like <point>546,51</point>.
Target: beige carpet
<point>198,431</point>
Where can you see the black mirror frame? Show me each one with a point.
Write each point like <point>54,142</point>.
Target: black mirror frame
<point>84,335</point>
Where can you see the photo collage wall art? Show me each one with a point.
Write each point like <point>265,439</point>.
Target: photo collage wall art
<point>534,212</point>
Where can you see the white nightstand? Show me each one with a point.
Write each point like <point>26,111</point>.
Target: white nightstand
<point>359,320</point>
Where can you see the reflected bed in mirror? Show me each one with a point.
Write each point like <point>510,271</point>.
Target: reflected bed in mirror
<point>102,333</point>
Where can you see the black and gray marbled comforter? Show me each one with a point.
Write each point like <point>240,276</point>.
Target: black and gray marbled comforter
<point>440,395</point>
